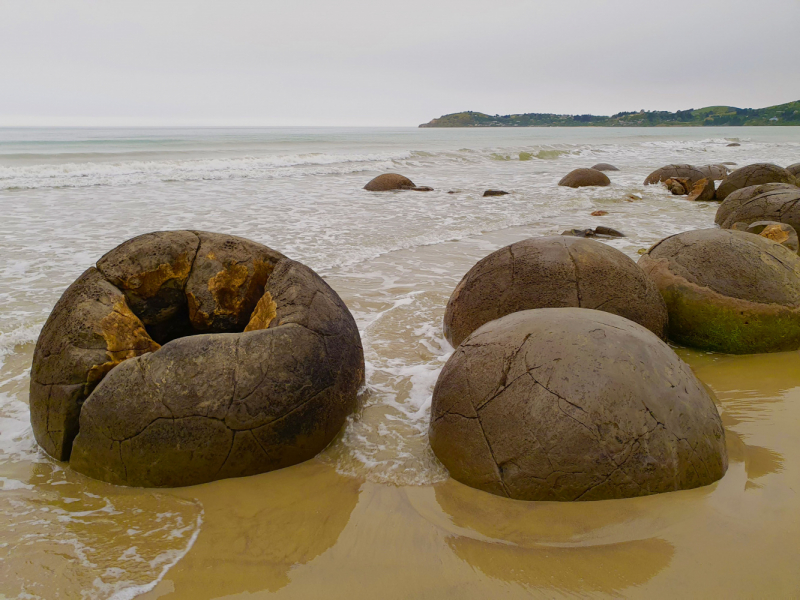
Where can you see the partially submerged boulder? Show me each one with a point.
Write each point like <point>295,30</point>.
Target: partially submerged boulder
<point>270,386</point>
<point>689,172</point>
<point>495,193</point>
<point>780,204</point>
<point>572,404</point>
<point>549,272</point>
<point>716,172</point>
<point>604,167</point>
<point>756,174</point>
<point>584,178</point>
<point>741,196</point>
<point>392,181</point>
<point>728,291</point>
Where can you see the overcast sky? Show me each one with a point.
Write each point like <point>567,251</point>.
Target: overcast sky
<point>378,62</point>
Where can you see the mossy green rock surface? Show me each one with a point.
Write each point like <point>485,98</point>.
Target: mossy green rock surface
<point>728,291</point>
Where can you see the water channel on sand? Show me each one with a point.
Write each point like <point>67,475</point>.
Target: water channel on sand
<point>375,515</point>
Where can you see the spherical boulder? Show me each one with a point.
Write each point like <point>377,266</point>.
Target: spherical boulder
<point>551,272</point>
<point>604,167</point>
<point>754,175</point>
<point>188,356</point>
<point>735,199</point>
<point>728,291</point>
<point>689,172</point>
<point>794,170</point>
<point>781,205</point>
<point>573,404</point>
<point>388,182</point>
<point>716,172</point>
<point>584,178</point>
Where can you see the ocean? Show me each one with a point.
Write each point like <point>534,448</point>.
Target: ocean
<point>67,196</point>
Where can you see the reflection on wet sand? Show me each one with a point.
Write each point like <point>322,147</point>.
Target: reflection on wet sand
<point>258,528</point>
<point>565,546</point>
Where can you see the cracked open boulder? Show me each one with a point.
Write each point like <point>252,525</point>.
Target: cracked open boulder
<point>573,404</point>
<point>553,272</point>
<point>186,356</point>
<point>728,291</point>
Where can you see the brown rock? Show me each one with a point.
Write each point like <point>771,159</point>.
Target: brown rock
<point>781,205</point>
<point>549,272</point>
<point>91,330</point>
<point>604,231</point>
<point>728,291</point>
<point>673,172</point>
<point>756,174</point>
<point>584,178</point>
<point>495,193</point>
<point>572,404</point>
<point>580,233</point>
<point>388,182</point>
<point>741,196</point>
<point>702,190</point>
<point>678,185</point>
<point>201,407</point>
<point>604,167</point>
<point>733,144</point>
<point>781,233</point>
<point>716,172</point>
<point>794,170</point>
<point>599,213</point>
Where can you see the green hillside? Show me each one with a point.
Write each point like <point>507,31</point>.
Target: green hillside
<point>782,114</point>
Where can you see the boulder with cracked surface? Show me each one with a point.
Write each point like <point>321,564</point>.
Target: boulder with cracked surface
<point>779,204</point>
<point>572,404</point>
<point>736,199</point>
<point>551,272</point>
<point>755,174</point>
<point>728,291</point>
<point>270,387</point>
<point>689,172</point>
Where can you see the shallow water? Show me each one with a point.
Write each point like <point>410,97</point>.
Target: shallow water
<point>376,515</point>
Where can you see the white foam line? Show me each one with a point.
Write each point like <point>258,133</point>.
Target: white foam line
<point>137,590</point>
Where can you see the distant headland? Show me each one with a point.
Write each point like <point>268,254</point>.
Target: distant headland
<point>782,114</point>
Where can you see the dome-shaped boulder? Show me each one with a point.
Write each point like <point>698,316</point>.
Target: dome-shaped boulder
<point>781,205</point>
<point>388,182</point>
<point>794,170</point>
<point>584,178</point>
<point>573,404</point>
<point>689,172</point>
<point>739,197</point>
<point>728,291</point>
<point>552,272</point>
<point>756,174</point>
<point>188,356</point>
<point>716,172</point>
<point>604,167</point>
